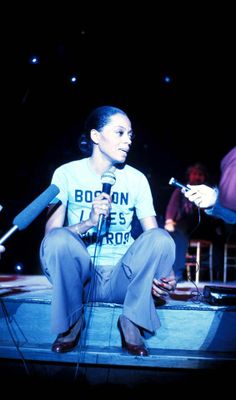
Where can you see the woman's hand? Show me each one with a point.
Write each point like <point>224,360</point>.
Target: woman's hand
<point>101,205</point>
<point>163,286</point>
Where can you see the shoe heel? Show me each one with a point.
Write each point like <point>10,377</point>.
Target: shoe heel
<point>136,350</point>
<point>121,334</point>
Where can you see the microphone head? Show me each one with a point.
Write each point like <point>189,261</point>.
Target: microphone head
<point>26,216</point>
<point>177,184</point>
<point>108,178</point>
<point>172,181</point>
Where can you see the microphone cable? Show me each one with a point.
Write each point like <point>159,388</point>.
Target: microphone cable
<point>88,309</point>
<point>9,319</point>
<point>108,179</point>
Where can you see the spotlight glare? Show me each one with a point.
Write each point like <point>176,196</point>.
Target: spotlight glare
<point>73,79</point>
<point>167,79</point>
<point>19,267</point>
<point>34,60</point>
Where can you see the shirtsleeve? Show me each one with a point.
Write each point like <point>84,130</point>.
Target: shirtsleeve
<point>227,186</point>
<point>60,180</point>
<point>144,204</point>
<point>218,211</point>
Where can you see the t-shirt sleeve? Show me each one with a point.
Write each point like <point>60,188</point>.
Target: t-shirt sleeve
<point>144,204</point>
<point>59,179</point>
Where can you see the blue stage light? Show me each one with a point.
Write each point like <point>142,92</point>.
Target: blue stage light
<point>19,267</point>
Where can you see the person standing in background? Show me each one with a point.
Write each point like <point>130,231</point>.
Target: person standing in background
<point>184,221</point>
<point>218,202</point>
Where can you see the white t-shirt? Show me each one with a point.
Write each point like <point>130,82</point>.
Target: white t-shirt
<point>79,185</point>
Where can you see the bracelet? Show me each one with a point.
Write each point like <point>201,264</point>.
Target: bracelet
<point>78,231</point>
<point>170,221</point>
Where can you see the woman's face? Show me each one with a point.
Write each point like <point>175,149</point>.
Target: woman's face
<point>115,138</point>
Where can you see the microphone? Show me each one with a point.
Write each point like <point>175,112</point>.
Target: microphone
<point>26,216</point>
<point>108,179</point>
<point>174,182</point>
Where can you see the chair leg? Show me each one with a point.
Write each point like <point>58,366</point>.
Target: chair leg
<point>225,264</point>
<point>198,255</point>
<point>211,262</point>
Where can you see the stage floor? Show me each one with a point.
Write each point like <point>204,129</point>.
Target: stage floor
<point>11,284</point>
<point>194,336</point>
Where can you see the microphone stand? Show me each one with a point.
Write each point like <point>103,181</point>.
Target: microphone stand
<point>9,233</point>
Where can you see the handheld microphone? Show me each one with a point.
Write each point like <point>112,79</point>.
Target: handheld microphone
<point>108,180</point>
<point>26,216</point>
<point>174,182</point>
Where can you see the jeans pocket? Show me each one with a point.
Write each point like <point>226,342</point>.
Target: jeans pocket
<point>127,270</point>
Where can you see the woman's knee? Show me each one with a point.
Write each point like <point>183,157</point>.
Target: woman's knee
<point>160,238</point>
<point>55,240</point>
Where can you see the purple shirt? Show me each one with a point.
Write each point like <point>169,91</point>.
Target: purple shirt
<point>227,186</point>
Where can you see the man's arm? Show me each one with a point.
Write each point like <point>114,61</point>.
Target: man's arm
<point>218,211</point>
<point>227,185</point>
<point>208,198</point>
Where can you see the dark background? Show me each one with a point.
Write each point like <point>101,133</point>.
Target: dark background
<point>120,57</point>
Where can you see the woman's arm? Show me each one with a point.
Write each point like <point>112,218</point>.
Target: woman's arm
<point>148,223</point>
